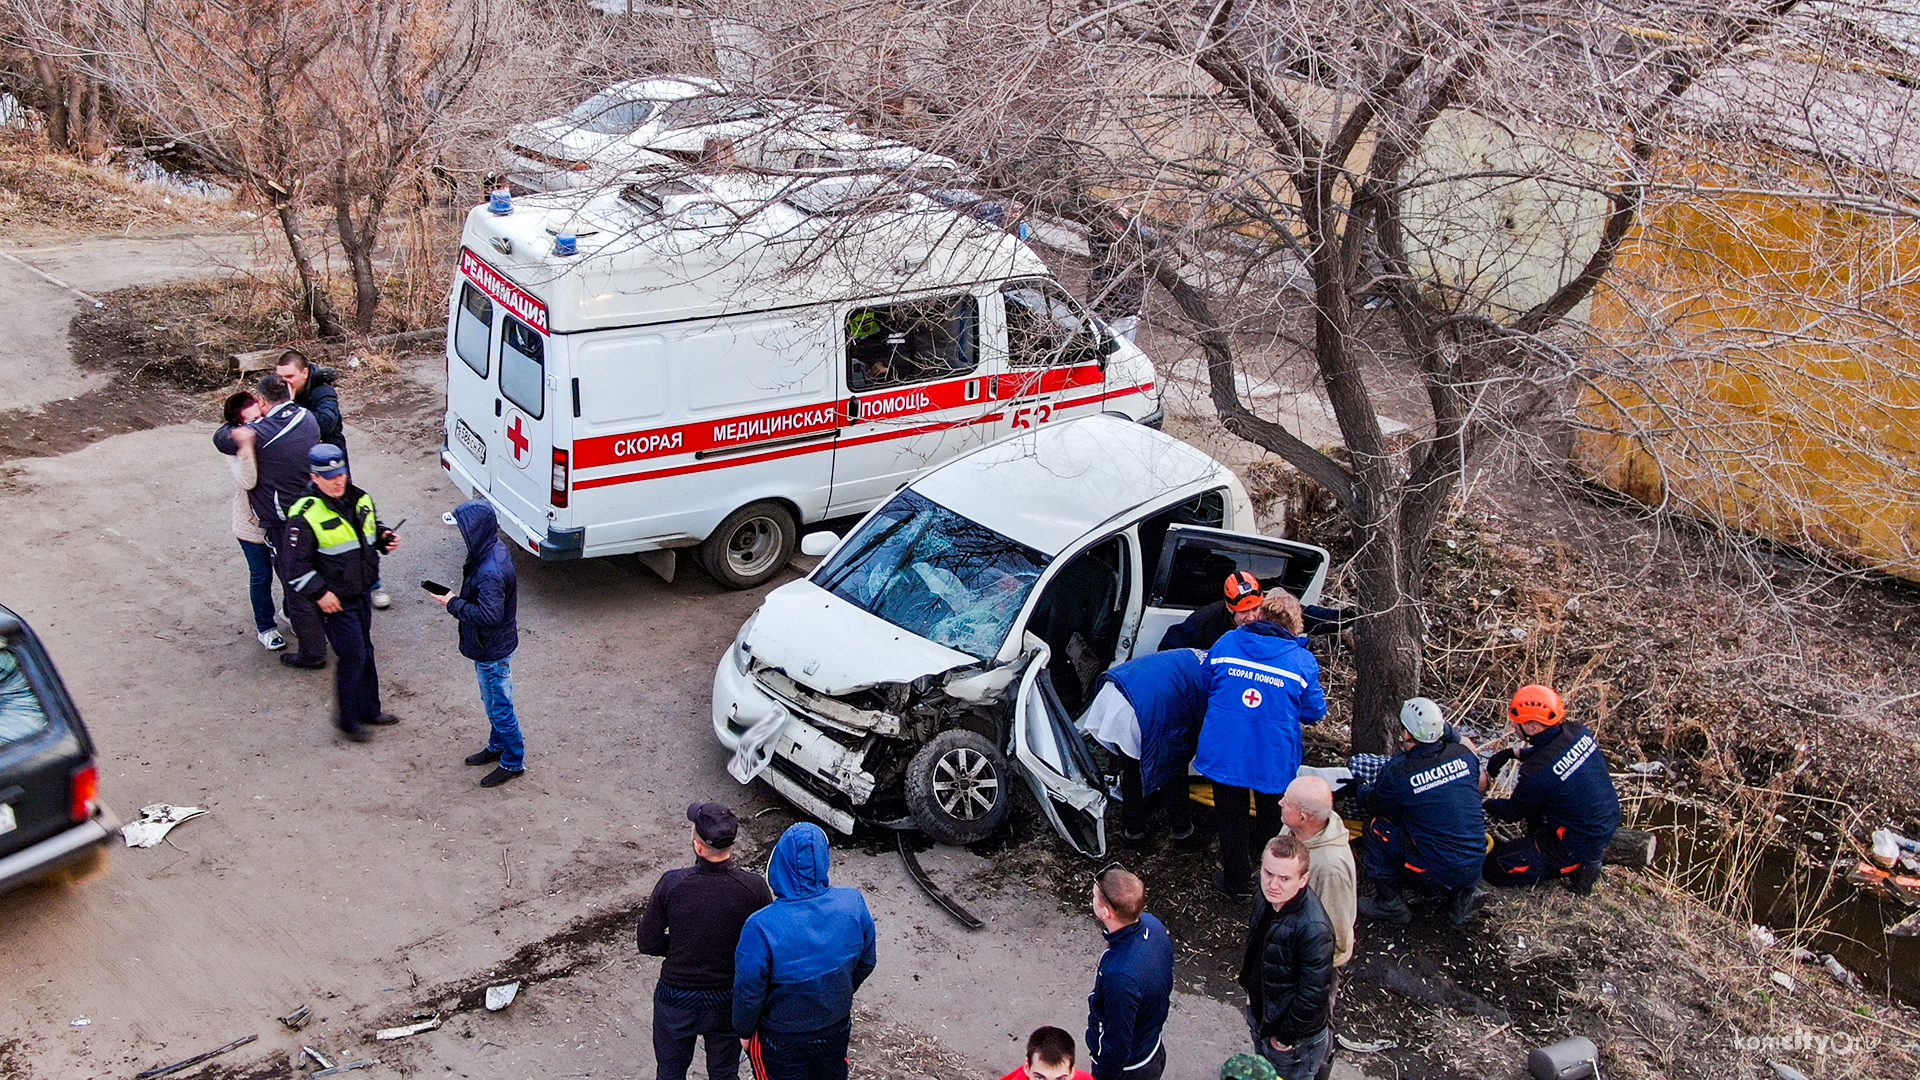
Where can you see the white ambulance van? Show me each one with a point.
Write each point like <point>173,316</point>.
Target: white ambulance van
<point>723,359</point>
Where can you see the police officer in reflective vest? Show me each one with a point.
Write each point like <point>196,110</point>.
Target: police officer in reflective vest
<point>332,556</point>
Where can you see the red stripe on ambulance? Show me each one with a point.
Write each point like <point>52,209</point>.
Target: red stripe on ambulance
<point>721,434</point>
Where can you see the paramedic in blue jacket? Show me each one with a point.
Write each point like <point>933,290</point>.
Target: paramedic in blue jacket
<point>1428,831</point>
<point>1564,794</point>
<point>799,962</point>
<point>487,609</point>
<point>1148,712</point>
<point>1133,988</point>
<point>1264,684</point>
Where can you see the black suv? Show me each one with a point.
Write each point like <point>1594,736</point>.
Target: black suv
<point>50,812</point>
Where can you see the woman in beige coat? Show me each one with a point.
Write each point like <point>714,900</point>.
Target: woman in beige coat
<point>241,409</point>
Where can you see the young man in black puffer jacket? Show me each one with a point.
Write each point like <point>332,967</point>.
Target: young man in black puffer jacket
<point>1288,970</point>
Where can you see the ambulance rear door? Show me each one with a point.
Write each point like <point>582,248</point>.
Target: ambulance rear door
<point>472,426</point>
<point>919,390</point>
<point>527,381</point>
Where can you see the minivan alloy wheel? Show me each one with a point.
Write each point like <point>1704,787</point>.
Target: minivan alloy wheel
<point>956,787</point>
<point>965,784</point>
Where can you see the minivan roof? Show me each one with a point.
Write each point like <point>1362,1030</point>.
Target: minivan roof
<point>655,248</point>
<point>1049,487</point>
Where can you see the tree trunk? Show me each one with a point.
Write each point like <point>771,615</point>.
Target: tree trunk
<point>313,296</point>
<point>358,243</point>
<point>1387,639</point>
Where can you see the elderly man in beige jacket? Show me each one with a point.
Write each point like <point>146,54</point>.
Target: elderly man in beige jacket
<point>1307,809</point>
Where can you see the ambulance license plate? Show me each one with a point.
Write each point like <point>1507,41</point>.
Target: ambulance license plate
<point>471,441</point>
<point>7,821</point>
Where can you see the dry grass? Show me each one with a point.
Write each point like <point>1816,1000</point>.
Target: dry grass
<point>41,190</point>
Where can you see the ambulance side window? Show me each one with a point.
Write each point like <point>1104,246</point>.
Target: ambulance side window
<point>523,367</point>
<point>473,329</point>
<point>1044,327</point>
<point>908,343</point>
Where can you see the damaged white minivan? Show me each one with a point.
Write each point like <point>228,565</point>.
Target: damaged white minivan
<point>950,641</point>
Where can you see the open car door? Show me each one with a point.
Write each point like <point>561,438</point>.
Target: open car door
<point>1195,561</point>
<point>1056,760</point>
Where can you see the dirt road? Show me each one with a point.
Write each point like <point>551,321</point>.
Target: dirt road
<point>375,882</point>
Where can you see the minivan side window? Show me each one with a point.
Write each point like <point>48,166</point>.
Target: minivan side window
<point>473,329</point>
<point>912,342</point>
<point>22,716</point>
<point>523,366</point>
<point>1044,327</point>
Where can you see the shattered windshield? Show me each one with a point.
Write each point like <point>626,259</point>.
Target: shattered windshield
<point>611,114</point>
<point>933,573</point>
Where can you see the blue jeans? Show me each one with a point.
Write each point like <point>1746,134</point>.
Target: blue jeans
<point>259,583</point>
<point>496,693</point>
<point>1304,1060</point>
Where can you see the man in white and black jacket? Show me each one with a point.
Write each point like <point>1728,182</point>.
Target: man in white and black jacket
<point>1288,971</point>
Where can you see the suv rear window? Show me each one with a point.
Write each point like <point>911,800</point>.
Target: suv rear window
<point>22,716</point>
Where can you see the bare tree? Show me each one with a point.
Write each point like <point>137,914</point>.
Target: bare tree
<point>1419,193</point>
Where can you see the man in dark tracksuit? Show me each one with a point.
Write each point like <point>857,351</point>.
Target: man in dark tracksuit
<point>334,540</point>
<point>693,919</point>
<point>488,611</point>
<point>1288,971</point>
<point>1427,829</point>
<point>799,962</point>
<point>282,439</point>
<point>1133,987</point>
<point>1565,796</point>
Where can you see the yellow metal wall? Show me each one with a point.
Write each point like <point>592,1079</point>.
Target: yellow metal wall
<point>1761,359</point>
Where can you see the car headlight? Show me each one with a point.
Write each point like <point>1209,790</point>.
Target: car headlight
<point>742,656</point>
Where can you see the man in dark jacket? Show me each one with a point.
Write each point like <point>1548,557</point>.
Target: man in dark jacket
<point>487,609</point>
<point>1133,987</point>
<point>313,390</point>
<point>1243,592</point>
<point>283,436</point>
<point>693,919</point>
<point>799,962</point>
<point>1428,830</point>
<point>334,541</point>
<point>1288,970</point>
<point>1564,794</point>
<point>1148,712</point>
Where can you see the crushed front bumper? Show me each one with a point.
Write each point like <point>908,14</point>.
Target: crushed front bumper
<point>809,768</point>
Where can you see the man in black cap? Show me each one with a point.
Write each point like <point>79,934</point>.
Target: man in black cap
<point>693,919</point>
<point>331,556</point>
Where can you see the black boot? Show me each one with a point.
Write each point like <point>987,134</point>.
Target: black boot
<point>1386,905</point>
<point>1466,902</point>
<point>1583,880</point>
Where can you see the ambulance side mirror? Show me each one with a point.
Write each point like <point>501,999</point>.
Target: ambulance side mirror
<point>818,544</point>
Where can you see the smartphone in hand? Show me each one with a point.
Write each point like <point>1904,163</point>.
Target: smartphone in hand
<point>435,588</point>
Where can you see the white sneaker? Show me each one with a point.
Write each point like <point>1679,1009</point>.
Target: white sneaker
<point>272,641</point>
<point>381,599</point>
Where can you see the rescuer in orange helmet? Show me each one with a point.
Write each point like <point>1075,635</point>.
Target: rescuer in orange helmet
<point>1564,794</point>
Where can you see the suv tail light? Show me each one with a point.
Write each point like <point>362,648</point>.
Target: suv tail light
<point>560,477</point>
<point>86,791</point>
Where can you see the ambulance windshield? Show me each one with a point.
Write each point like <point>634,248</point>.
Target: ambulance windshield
<point>933,573</point>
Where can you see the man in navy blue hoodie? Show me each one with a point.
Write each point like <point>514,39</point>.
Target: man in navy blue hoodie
<point>799,962</point>
<point>1134,986</point>
<point>487,608</point>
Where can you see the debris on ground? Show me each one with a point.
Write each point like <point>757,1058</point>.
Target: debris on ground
<point>415,1028</point>
<point>166,1070</point>
<point>365,1063</point>
<point>1574,1058</point>
<point>499,997</point>
<point>298,1018</point>
<point>156,821</point>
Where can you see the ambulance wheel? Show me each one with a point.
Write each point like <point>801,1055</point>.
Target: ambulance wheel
<point>750,546</point>
<point>957,787</point>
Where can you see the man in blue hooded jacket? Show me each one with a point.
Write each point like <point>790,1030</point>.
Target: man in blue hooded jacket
<point>1264,685</point>
<point>487,608</point>
<point>799,961</point>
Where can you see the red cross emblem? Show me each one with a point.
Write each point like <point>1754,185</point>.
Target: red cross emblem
<point>517,438</point>
<point>1251,699</point>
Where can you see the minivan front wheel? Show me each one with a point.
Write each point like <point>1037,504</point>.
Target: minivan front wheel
<point>750,546</point>
<point>957,787</point>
